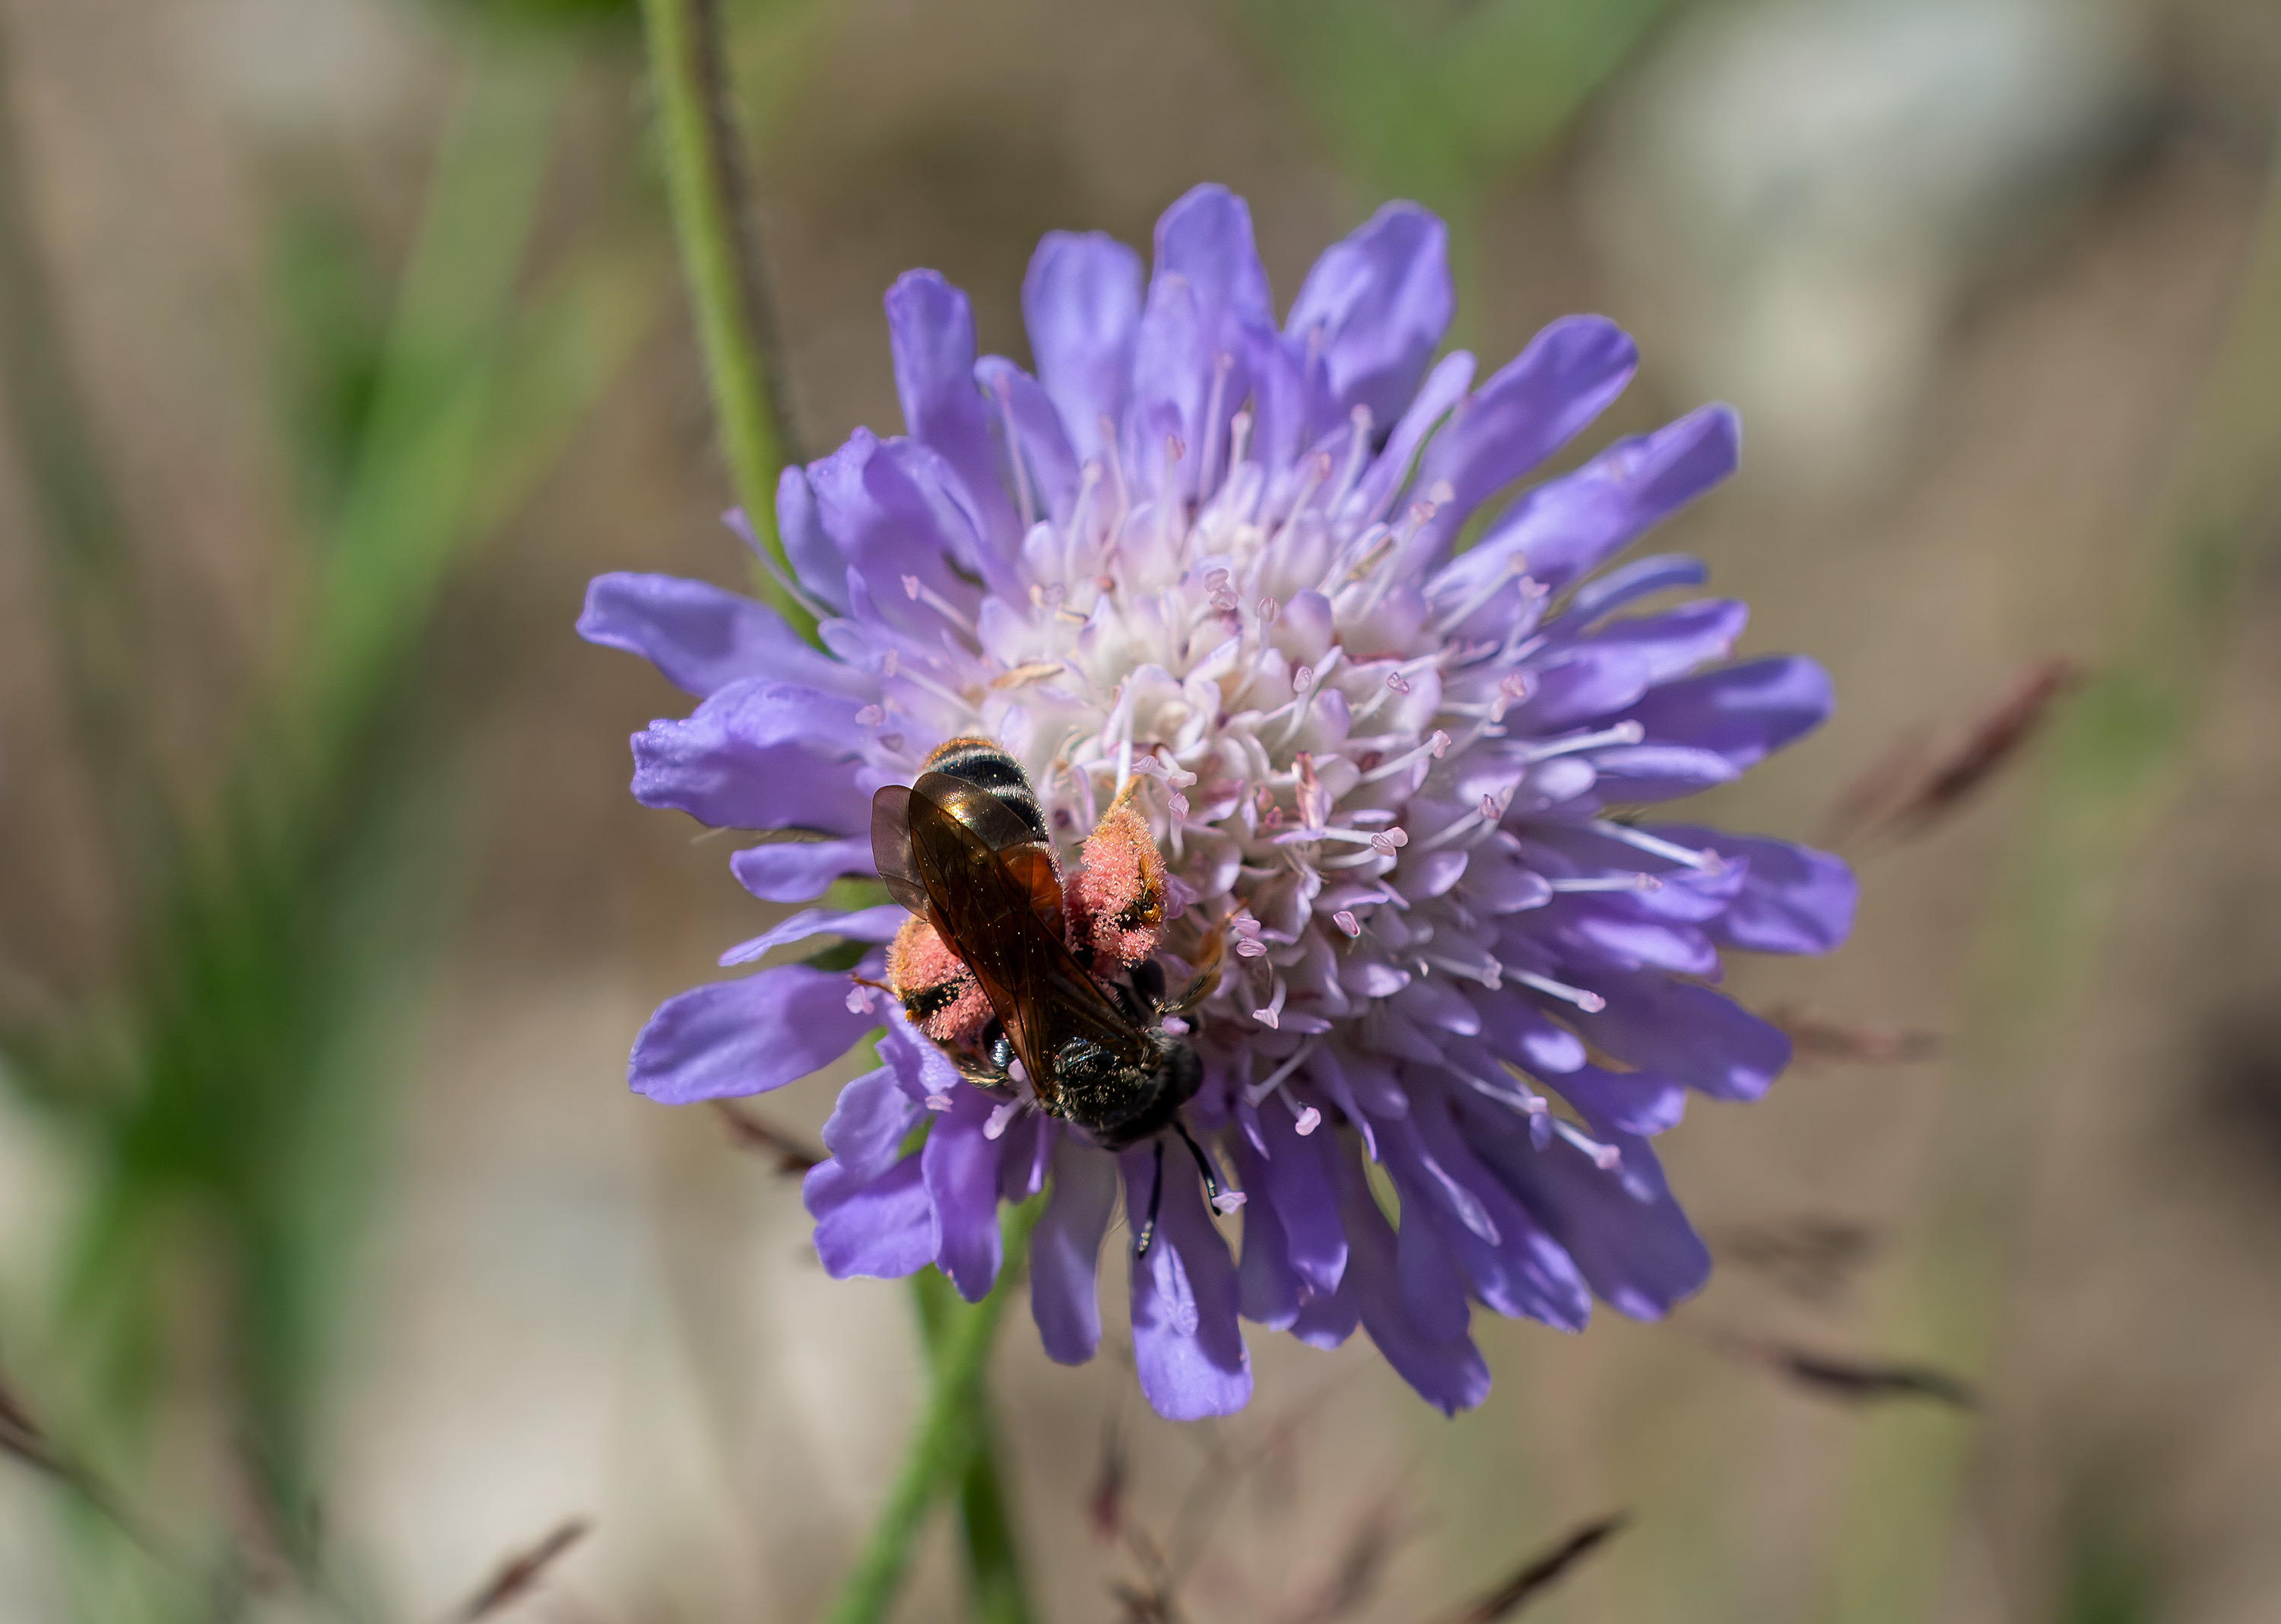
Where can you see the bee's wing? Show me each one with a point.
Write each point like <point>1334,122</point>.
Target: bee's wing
<point>891,847</point>
<point>999,830</point>
<point>985,904</point>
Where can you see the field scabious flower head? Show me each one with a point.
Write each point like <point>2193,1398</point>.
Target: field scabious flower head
<point>1217,554</point>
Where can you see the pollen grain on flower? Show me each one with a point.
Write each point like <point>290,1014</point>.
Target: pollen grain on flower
<point>1211,558</point>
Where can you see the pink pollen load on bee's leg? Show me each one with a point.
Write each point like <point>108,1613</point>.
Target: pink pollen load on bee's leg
<point>934,985</point>
<point>1116,900</point>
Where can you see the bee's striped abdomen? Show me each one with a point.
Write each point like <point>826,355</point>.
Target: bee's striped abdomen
<point>985,766</point>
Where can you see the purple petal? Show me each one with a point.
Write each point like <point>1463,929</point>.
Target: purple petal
<point>1516,1268</point>
<point>880,1229</point>
<point>1081,302</point>
<point>1677,641</point>
<point>815,560</point>
<point>1048,463</point>
<point>931,332</point>
<point>872,925</point>
<point>1521,415</point>
<point>1641,578</point>
<point>961,1167</point>
<point>701,638</point>
<point>1514,1029</point>
<point>898,510</point>
<point>794,870</point>
<point>1447,1373</point>
<point>1065,1252</point>
<point>1296,1181</point>
<point>1379,301</point>
<point>1436,397</point>
<point>1744,712</point>
<point>1205,240</point>
<point>730,1038</point>
<point>1795,899</point>
<point>1267,1291</point>
<point>1186,1344</point>
<point>1686,1033</point>
<point>1326,1322</point>
<point>1566,527</point>
<point>1659,772</point>
<point>923,1071</point>
<point>758,754</point>
<point>1637,1102</point>
<point>1641,1255</point>
<point>868,1125</point>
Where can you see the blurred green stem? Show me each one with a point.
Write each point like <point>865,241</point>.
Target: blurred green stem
<point>952,1444</point>
<point>698,140</point>
<point>993,1568</point>
<point>2112,767</point>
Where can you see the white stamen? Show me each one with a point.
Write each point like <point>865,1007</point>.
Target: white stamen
<point>1516,568</point>
<point>999,1117</point>
<point>1116,473</point>
<point>1239,439</point>
<point>860,999</point>
<point>1309,1118</point>
<point>1271,1017</point>
<point>919,592</point>
<point>1622,733</point>
<point>1488,974</point>
<point>1387,842</point>
<point>1357,456</point>
<point>1607,882</point>
<point>1228,1201</point>
<point>1005,393</point>
<point>1346,921</point>
<point>1607,1158</point>
<point>1273,1080</point>
<point>889,661</point>
<point>1436,746</point>
<point>1584,998</point>
<point>937,1101</point>
<point>1174,1027</point>
<point>1205,470</point>
<point>871,716</point>
<point>1708,863</point>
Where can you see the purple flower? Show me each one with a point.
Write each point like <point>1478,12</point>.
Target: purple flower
<point>1219,555</point>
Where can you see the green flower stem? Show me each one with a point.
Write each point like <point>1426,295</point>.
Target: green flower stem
<point>2112,767</point>
<point>695,135</point>
<point>953,1435</point>
<point>993,1568</point>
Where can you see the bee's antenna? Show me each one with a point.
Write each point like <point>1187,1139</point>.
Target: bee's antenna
<point>1156,1200</point>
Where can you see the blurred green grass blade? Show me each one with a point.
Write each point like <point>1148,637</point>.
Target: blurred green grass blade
<point>286,959</point>
<point>96,618</point>
<point>328,311</point>
<point>404,512</point>
<point>1435,98</point>
<point>2111,767</point>
<point>571,336</point>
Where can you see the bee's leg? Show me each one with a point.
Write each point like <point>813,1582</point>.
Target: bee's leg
<point>1148,985</point>
<point>1156,1200</point>
<point>1203,1163</point>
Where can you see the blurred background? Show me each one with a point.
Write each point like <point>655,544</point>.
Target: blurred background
<point>343,340</point>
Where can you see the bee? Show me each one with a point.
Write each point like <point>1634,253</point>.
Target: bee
<point>1014,976</point>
